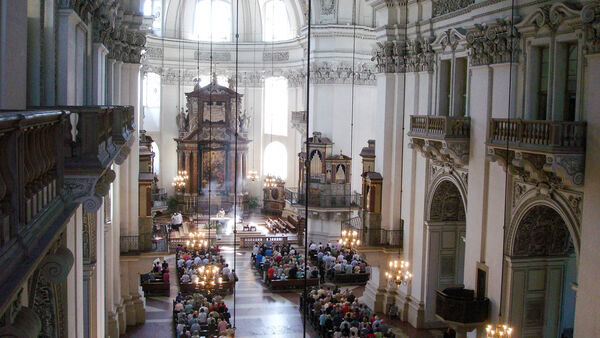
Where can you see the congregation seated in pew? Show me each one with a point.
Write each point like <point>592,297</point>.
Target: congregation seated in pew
<point>335,313</point>
<point>190,261</point>
<point>157,281</point>
<point>337,263</point>
<point>281,265</point>
<point>198,315</point>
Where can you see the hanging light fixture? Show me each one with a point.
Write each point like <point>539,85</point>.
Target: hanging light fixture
<point>208,276</point>
<point>498,331</point>
<point>179,181</point>
<point>349,239</point>
<point>398,272</point>
<point>252,175</point>
<point>272,182</point>
<point>197,241</point>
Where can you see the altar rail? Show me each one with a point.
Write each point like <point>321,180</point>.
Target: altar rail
<point>544,136</point>
<point>248,242</point>
<point>440,127</point>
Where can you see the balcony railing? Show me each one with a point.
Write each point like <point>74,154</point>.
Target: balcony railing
<point>321,200</point>
<point>51,160</point>
<point>354,222</point>
<point>439,127</point>
<point>542,136</point>
<point>31,170</point>
<point>459,305</point>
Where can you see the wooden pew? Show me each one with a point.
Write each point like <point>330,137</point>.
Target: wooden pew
<point>156,288</point>
<point>298,283</point>
<point>351,278</point>
<point>224,288</point>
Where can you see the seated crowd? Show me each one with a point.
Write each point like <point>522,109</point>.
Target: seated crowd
<point>201,316</point>
<point>281,262</point>
<point>188,262</point>
<point>338,314</point>
<point>333,259</point>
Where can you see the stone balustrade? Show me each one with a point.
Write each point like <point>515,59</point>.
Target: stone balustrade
<point>443,138</point>
<point>551,152</point>
<point>540,136</point>
<point>53,160</point>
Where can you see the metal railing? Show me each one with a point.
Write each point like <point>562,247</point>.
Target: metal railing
<point>354,222</point>
<point>439,126</point>
<point>546,136</point>
<point>136,244</point>
<point>381,237</point>
<point>322,200</point>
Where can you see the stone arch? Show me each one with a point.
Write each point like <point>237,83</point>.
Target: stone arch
<point>522,213</point>
<point>445,185</point>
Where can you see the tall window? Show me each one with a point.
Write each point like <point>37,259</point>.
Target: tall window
<point>275,160</point>
<point>276,22</point>
<point>154,8</point>
<point>276,106</point>
<point>542,95</point>
<point>151,101</point>
<point>444,96</point>
<point>212,20</point>
<point>571,82</point>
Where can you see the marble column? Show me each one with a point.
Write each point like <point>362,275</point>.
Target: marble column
<point>110,80</point>
<point>99,72</point>
<point>588,293</point>
<point>188,168</point>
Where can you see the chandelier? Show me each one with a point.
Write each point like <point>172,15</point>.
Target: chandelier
<point>499,331</point>
<point>252,175</point>
<point>398,272</point>
<point>208,276</point>
<point>197,241</point>
<point>349,239</point>
<point>272,182</point>
<point>179,181</point>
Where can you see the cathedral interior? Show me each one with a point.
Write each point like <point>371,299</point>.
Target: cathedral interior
<point>299,168</point>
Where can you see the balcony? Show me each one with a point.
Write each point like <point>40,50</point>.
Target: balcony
<point>323,201</point>
<point>443,138</point>
<point>299,121</point>
<point>461,309</point>
<point>375,237</point>
<point>95,137</point>
<point>539,151</point>
<point>53,159</point>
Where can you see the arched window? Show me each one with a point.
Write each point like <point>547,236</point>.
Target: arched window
<point>275,160</point>
<point>151,101</point>
<point>276,21</point>
<point>154,8</point>
<point>276,106</point>
<point>212,20</point>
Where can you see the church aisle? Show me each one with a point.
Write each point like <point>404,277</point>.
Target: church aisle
<point>258,312</point>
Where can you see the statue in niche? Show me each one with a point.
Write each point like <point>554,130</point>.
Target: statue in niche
<point>182,121</point>
<point>327,7</point>
<point>243,120</point>
<point>340,174</point>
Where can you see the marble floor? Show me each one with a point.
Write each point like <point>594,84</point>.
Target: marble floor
<point>256,312</point>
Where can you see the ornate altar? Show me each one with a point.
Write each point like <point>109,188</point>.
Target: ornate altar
<point>206,147</point>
